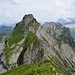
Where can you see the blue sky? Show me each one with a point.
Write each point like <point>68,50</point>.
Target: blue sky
<point>12,11</point>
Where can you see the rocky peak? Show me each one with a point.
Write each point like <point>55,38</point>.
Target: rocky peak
<point>28,23</point>
<point>27,18</point>
<point>59,32</point>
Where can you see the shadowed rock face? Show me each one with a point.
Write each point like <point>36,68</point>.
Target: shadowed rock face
<point>50,41</point>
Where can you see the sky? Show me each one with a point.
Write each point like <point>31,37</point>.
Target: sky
<point>12,11</point>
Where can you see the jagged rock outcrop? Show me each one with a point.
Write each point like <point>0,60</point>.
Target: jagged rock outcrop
<point>32,43</point>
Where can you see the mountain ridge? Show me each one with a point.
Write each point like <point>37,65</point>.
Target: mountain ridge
<point>31,43</point>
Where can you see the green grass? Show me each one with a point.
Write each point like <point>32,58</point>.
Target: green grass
<point>17,35</point>
<point>29,39</point>
<point>45,68</point>
<point>8,52</point>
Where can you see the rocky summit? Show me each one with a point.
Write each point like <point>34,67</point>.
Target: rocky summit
<point>35,49</point>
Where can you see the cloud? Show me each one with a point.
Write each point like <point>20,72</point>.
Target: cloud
<point>8,14</point>
<point>3,0</point>
<point>43,10</point>
<point>15,2</point>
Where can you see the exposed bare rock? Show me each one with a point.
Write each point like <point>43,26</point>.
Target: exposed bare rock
<point>3,67</point>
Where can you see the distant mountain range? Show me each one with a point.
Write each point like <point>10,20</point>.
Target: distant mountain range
<point>69,22</point>
<point>5,29</point>
<point>9,24</point>
<point>66,21</point>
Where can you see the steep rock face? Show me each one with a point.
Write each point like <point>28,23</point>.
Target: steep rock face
<point>59,45</point>
<point>32,52</point>
<point>16,40</point>
<point>27,19</point>
<point>72,30</point>
<point>3,67</point>
<point>32,43</point>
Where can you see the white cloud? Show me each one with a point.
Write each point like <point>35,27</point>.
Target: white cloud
<point>58,2</point>
<point>3,0</point>
<point>15,1</point>
<point>43,10</point>
<point>8,14</point>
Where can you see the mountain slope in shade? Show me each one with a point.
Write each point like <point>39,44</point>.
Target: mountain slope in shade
<point>31,43</point>
<point>72,30</point>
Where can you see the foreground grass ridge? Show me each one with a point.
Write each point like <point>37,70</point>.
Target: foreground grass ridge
<point>45,68</point>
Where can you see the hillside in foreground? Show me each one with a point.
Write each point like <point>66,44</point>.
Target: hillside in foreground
<point>45,68</point>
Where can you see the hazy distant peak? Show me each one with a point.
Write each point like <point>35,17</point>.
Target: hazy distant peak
<point>66,21</point>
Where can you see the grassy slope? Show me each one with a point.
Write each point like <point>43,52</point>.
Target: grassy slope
<point>45,68</point>
<point>8,52</point>
<point>29,39</point>
<point>17,35</point>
